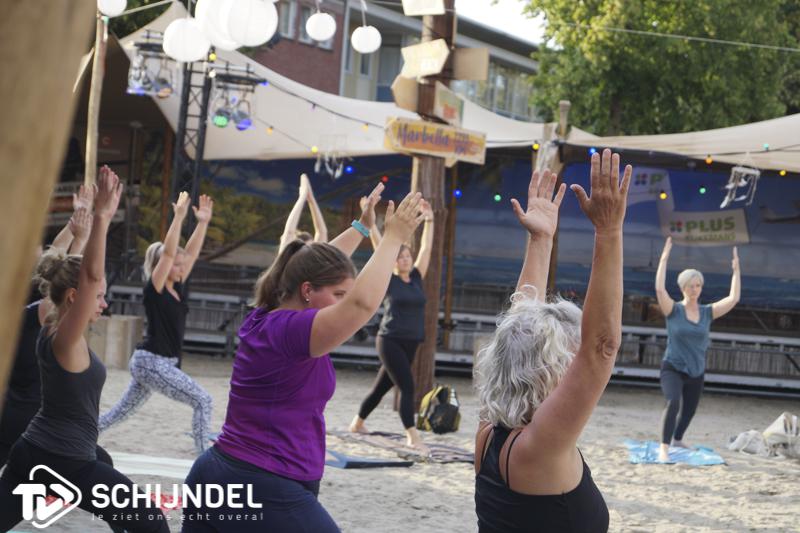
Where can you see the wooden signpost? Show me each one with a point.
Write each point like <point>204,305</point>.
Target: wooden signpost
<point>423,87</point>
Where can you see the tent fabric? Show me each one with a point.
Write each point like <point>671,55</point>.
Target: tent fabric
<point>299,117</point>
<point>737,145</point>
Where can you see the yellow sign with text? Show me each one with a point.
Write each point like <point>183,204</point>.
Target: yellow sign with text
<point>439,140</point>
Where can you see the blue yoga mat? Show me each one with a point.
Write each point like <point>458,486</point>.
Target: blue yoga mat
<point>646,452</point>
<point>340,460</point>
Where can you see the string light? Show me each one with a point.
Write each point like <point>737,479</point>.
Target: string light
<point>766,147</point>
<point>365,127</point>
<point>703,189</point>
<point>385,179</point>
<point>535,147</point>
<point>592,151</point>
<point>212,56</point>
<point>269,130</point>
<point>457,193</point>
<point>663,195</point>
<point>709,160</point>
<point>314,149</point>
<point>782,173</point>
<point>264,83</point>
<point>497,197</point>
<point>348,169</point>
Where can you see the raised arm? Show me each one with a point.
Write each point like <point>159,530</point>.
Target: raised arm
<point>80,225</point>
<point>540,220</point>
<point>665,303</point>
<point>64,240</point>
<point>721,307</point>
<point>374,232</point>
<point>170,250</point>
<point>426,242</point>
<point>69,345</point>
<point>202,214</point>
<point>290,228</point>
<point>349,239</point>
<point>335,324</point>
<point>320,229</point>
<point>559,421</point>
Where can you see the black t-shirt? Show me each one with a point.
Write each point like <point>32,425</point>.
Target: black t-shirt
<point>166,320</point>
<point>66,424</point>
<point>24,385</point>
<point>404,309</point>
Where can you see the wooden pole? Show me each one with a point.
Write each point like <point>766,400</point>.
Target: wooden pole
<point>42,43</point>
<point>95,96</point>
<point>450,244</point>
<point>428,178</point>
<point>557,166</point>
<point>166,174</point>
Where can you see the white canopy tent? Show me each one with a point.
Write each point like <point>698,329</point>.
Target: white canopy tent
<point>302,117</point>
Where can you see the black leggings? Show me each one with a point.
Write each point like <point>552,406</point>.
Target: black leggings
<point>682,392</point>
<point>83,474</point>
<point>13,423</point>
<point>396,356</point>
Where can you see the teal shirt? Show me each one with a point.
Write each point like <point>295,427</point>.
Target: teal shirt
<point>687,342</point>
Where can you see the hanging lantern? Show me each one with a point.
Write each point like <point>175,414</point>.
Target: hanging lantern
<point>209,14</point>
<point>250,22</point>
<point>366,39</point>
<point>185,41</point>
<point>112,8</point>
<point>320,26</point>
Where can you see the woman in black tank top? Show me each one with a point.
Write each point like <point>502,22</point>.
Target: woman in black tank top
<point>545,369</point>
<point>63,434</point>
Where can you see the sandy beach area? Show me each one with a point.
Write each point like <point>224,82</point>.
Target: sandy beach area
<point>747,494</point>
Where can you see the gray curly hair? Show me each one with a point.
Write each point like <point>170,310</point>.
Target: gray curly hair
<point>529,353</point>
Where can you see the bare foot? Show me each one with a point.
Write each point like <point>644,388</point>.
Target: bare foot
<point>357,425</point>
<point>681,444</point>
<point>663,454</point>
<point>414,440</point>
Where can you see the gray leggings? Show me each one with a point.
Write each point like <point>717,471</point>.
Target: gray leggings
<point>153,372</point>
<point>682,392</point>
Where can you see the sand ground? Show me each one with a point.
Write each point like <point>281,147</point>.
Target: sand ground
<point>747,494</point>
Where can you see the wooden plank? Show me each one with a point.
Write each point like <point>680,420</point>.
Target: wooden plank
<point>414,8</point>
<point>447,105</point>
<point>405,92</point>
<point>424,59</point>
<point>471,64</point>
<point>438,140</point>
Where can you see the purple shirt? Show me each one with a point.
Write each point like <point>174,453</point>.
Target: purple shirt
<point>278,394</point>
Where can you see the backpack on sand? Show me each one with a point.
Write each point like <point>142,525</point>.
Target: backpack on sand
<point>438,411</point>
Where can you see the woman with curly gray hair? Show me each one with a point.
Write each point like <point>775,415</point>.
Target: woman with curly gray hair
<point>546,367</point>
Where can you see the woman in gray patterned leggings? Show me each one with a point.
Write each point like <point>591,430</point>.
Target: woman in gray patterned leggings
<point>155,363</point>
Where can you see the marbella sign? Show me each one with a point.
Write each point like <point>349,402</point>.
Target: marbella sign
<point>438,140</point>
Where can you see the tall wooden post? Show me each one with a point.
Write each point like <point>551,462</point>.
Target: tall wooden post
<point>42,43</point>
<point>557,166</point>
<point>95,95</point>
<point>428,174</point>
<point>450,244</point>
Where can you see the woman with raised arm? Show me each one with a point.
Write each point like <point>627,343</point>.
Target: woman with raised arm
<point>688,338</point>
<point>24,396</point>
<point>306,304</point>
<point>290,231</point>
<point>155,365</point>
<point>542,374</point>
<point>63,434</point>
<point>401,331</point>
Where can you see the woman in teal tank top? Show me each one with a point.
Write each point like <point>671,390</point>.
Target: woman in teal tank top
<point>688,339</point>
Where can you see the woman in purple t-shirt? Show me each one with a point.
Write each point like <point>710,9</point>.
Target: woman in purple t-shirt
<point>307,304</point>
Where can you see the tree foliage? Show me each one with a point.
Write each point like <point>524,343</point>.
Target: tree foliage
<point>621,83</point>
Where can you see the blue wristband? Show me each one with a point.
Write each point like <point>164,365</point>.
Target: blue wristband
<point>360,227</point>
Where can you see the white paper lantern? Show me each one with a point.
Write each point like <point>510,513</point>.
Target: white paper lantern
<point>366,39</point>
<point>185,41</point>
<point>320,27</point>
<point>250,22</point>
<point>112,8</point>
<point>209,15</point>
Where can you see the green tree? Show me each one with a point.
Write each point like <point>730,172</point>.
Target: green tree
<point>127,24</point>
<point>621,83</point>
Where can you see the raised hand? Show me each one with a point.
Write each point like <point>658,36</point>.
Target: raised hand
<point>402,222</point>
<point>181,207</point>
<point>735,260</point>
<point>427,211</point>
<point>305,186</point>
<point>81,223</point>
<point>83,199</point>
<point>668,248</point>
<point>609,195</point>
<point>541,216</point>
<point>108,191</point>
<point>205,208</point>
<point>368,204</point>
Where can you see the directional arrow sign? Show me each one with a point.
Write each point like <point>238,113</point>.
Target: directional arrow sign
<point>424,59</point>
<point>447,105</point>
<point>413,8</point>
<point>421,137</point>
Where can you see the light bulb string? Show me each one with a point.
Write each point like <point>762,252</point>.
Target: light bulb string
<point>363,12</point>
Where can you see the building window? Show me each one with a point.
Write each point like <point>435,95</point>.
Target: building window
<point>365,67</point>
<point>287,12</point>
<point>305,15</point>
<point>327,45</point>
<point>349,56</point>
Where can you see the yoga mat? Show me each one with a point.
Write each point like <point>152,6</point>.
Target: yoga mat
<point>134,464</point>
<point>340,460</point>
<point>440,453</point>
<point>646,452</point>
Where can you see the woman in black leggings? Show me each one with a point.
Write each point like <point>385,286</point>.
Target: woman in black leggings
<point>402,330</point>
<point>63,434</point>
